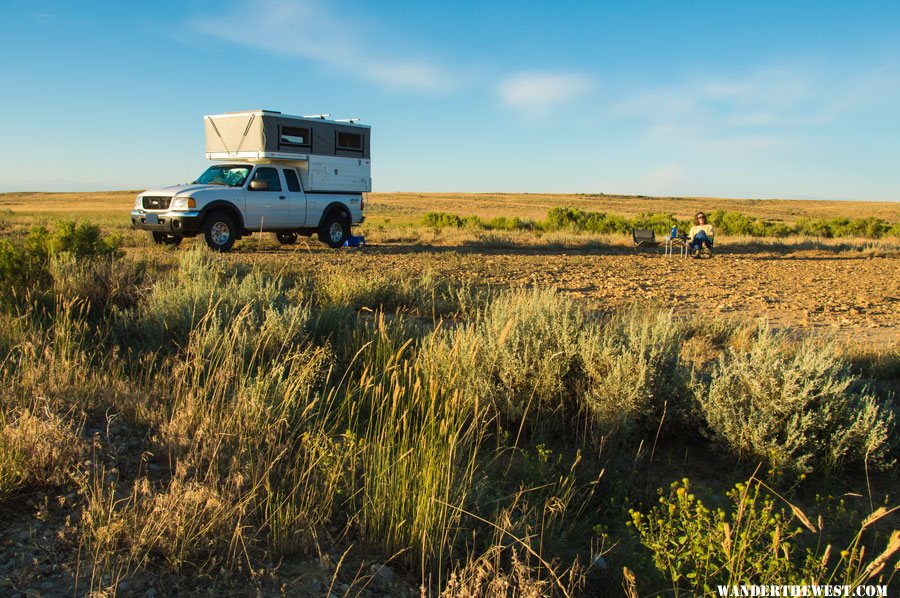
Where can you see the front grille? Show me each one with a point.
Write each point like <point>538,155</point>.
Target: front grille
<point>156,203</point>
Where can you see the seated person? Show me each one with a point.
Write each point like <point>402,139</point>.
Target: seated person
<point>701,234</point>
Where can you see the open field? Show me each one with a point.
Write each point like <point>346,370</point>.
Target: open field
<point>457,412</point>
<point>535,206</point>
<point>408,208</point>
<point>798,283</point>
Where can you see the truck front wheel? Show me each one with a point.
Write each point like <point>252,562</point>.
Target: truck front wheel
<point>219,231</point>
<point>335,230</point>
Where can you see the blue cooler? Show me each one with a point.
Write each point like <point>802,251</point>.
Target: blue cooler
<point>355,241</point>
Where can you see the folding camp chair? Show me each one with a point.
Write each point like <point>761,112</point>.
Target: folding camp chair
<point>644,238</point>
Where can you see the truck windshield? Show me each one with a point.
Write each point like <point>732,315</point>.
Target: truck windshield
<point>225,174</point>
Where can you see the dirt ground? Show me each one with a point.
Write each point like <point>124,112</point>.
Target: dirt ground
<point>853,295</point>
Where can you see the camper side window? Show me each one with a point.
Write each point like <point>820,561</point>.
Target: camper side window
<point>349,141</point>
<point>294,137</point>
<point>269,175</point>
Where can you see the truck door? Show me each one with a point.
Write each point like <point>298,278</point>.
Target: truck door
<point>315,204</point>
<point>267,208</point>
<point>296,199</point>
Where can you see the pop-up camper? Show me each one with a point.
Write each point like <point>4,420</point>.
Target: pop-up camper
<point>330,155</point>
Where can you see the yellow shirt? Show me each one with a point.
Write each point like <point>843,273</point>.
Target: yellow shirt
<point>707,228</point>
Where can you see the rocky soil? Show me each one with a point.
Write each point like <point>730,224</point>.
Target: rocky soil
<point>851,294</point>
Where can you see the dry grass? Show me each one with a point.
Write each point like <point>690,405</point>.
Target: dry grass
<point>249,413</point>
<point>412,206</point>
<point>37,451</point>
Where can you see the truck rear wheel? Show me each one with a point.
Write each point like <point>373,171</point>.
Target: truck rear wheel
<point>219,231</point>
<point>166,239</point>
<point>286,238</point>
<point>335,230</point>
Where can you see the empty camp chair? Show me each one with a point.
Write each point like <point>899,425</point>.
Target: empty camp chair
<point>644,238</point>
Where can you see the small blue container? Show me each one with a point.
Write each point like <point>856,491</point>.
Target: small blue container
<point>674,231</point>
<point>355,241</point>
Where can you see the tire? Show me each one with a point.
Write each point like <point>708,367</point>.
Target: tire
<point>166,239</point>
<point>219,231</point>
<point>286,238</point>
<point>335,229</point>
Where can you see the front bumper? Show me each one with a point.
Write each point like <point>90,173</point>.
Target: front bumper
<point>175,223</point>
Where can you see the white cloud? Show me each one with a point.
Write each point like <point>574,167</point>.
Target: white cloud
<point>310,30</point>
<point>535,93</point>
<point>758,110</point>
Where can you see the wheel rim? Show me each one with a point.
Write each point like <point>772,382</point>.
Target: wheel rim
<point>219,233</point>
<point>336,232</point>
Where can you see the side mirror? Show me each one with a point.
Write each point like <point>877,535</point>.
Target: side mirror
<point>259,185</point>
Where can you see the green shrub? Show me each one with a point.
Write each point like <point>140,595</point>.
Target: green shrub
<point>795,410</point>
<point>869,227</point>
<point>442,220</point>
<point>520,354</point>
<point>657,222</point>
<point>725,223</point>
<point>81,240</point>
<point>634,374</point>
<point>697,548</point>
<point>27,262</point>
<point>14,262</point>
<point>504,223</point>
<point>563,218</point>
<point>813,228</point>
<point>608,224</point>
<point>731,223</point>
<point>765,228</point>
<point>598,222</point>
<point>755,542</point>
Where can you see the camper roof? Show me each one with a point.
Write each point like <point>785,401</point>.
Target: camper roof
<point>318,119</point>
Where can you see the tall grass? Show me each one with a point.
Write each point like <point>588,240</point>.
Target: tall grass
<point>452,431</point>
<point>37,451</point>
<point>418,450</point>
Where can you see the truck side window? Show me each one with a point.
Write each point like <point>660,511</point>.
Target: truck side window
<point>269,175</point>
<point>293,183</point>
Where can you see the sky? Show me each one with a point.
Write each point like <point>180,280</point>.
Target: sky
<point>727,99</point>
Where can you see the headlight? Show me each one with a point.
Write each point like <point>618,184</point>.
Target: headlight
<point>183,203</point>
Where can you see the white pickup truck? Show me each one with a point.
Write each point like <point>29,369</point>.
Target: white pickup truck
<point>230,201</point>
<point>288,175</point>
